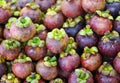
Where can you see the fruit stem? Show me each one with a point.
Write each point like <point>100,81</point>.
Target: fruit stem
<point>57,34</point>
<point>86,31</point>
<point>50,61</point>
<point>10,44</point>
<point>23,22</point>
<point>40,27</point>
<point>36,42</point>
<point>33,78</point>
<point>22,58</point>
<point>104,14</point>
<point>89,51</point>
<point>70,22</point>
<point>82,76</point>
<point>32,6</point>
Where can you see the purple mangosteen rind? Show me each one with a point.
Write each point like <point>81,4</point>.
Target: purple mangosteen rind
<point>22,58</point>
<point>82,76</point>
<point>23,22</point>
<point>110,35</point>
<point>107,69</point>
<point>72,22</point>
<point>112,1</point>
<point>10,78</point>
<point>117,18</point>
<point>89,51</point>
<point>56,34</point>
<point>104,14</point>
<point>32,6</point>
<point>10,21</point>
<point>50,61</point>
<point>40,27</point>
<point>33,78</point>
<point>36,42</point>
<point>86,31</point>
<point>10,44</point>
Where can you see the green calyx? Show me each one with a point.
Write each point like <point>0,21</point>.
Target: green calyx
<point>56,34</point>
<point>70,22</point>
<point>51,11</point>
<point>118,54</point>
<point>89,51</point>
<point>10,21</point>
<point>107,69</point>
<point>10,44</point>
<point>36,42</point>
<point>110,36</point>
<point>16,13</point>
<point>70,49</point>
<point>50,61</point>
<point>32,6</point>
<point>118,18</point>
<point>58,80</point>
<point>22,58</point>
<point>88,16</point>
<point>82,76</point>
<point>33,78</point>
<point>2,59</point>
<point>86,31</point>
<point>104,14</point>
<point>112,1</point>
<point>40,27</point>
<point>23,22</point>
<point>3,3</point>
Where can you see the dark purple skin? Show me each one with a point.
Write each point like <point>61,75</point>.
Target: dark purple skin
<point>9,54</point>
<point>42,35</point>
<point>116,63</point>
<point>34,14</point>
<point>22,70</point>
<point>109,49</point>
<point>35,53</point>
<point>72,31</point>
<point>22,3</point>
<point>72,8</point>
<point>45,4</point>
<point>84,41</point>
<point>114,8</point>
<point>3,69</point>
<point>93,62</point>
<point>117,25</point>
<point>4,15</point>
<point>54,21</point>
<point>6,33</point>
<point>57,46</point>
<point>70,62</point>
<point>91,6</point>
<point>73,77</point>
<point>47,73</point>
<point>100,78</point>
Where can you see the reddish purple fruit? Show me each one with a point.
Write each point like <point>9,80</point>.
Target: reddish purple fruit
<point>81,75</point>
<point>47,68</point>
<point>53,19</point>
<point>36,48</point>
<point>91,59</point>
<point>59,40</point>
<point>107,74</point>
<point>116,63</point>
<point>22,29</point>
<point>32,11</point>
<point>101,23</point>
<point>10,49</point>
<point>86,37</point>
<point>72,8</point>
<point>91,6</point>
<point>34,78</point>
<point>109,44</point>
<point>45,4</point>
<point>22,66</point>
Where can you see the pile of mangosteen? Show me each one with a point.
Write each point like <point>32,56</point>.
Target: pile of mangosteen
<point>59,41</point>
